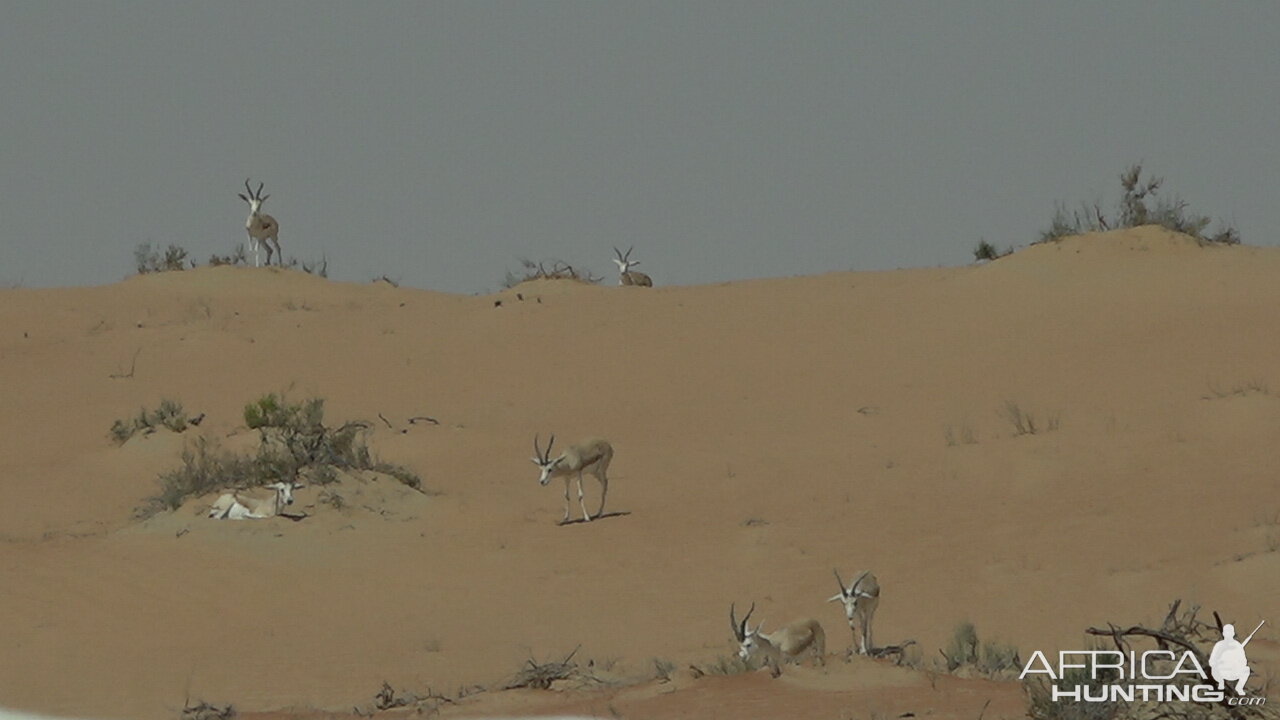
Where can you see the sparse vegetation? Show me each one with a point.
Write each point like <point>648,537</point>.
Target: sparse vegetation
<point>1248,388</point>
<point>964,436</point>
<point>986,251</point>
<point>988,658</point>
<point>1024,423</point>
<point>236,258</point>
<point>558,270</point>
<point>1138,206</point>
<point>149,259</point>
<point>319,268</point>
<point>723,665</point>
<point>541,675</point>
<point>295,443</point>
<point>169,415</point>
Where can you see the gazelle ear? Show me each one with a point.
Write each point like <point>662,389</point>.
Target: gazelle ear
<point>837,596</point>
<point>536,461</point>
<point>242,197</point>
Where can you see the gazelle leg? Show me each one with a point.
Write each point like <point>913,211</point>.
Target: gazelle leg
<point>604,490</point>
<point>581,500</point>
<point>566,500</point>
<point>257,254</point>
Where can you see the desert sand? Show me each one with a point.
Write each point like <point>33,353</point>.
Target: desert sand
<point>765,432</point>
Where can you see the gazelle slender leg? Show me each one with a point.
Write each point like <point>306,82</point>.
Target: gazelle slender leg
<point>566,500</point>
<point>253,247</point>
<point>604,490</point>
<point>581,500</point>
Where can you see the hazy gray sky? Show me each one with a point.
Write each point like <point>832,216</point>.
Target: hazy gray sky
<point>439,142</point>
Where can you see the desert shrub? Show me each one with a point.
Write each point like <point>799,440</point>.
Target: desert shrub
<point>986,251</point>
<point>724,665</point>
<point>319,267</point>
<point>295,443</point>
<point>1024,423</point>
<point>1140,204</point>
<point>988,658</point>
<point>237,257</point>
<point>169,415</point>
<point>150,259</point>
<point>558,270</point>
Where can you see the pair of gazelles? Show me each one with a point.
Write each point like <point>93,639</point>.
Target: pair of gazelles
<point>805,636</point>
<point>264,232</point>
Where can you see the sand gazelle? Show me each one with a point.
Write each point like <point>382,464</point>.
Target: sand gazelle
<point>592,455</point>
<point>860,600</point>
<point>260,226</point>
<point>627,276</point>
<point>256,503</point>
<point>785,643</point>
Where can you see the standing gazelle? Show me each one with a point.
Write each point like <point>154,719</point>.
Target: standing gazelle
<point>260,226</point>
<point>860,600</point>
<point>591,455</point>
<point>786,643</point>
<point>627,276</point>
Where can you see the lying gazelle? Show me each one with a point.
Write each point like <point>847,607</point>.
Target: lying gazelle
<point>786,643</point>
<point>255,503</point>
<point>260,226</point>
<point>627,276</point>
<point>592,455</point>
<point>860,600</point>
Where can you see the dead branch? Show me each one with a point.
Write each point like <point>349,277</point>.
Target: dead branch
<point>542,676</point>
<point>423,418</point>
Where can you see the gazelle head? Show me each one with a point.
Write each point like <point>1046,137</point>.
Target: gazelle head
<point>255,199</point>
<point>543,459</point>
<point>748,639</point>
<point>284,490</point>
<point>624,262</point>
<point>850,596</point>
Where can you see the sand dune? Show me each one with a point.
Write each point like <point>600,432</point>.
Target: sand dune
<point>765,432</point>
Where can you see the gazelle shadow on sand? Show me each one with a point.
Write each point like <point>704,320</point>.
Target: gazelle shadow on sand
<point>580,521</point>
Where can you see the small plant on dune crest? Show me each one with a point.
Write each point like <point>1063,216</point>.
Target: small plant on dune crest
<point>1139,205</point>
<point>986,251</point>
<point>236,258</point>
<point>169,415</point>
<point>722,665</point>
<point>150,259</point>
<point>558,270</point>
<point>319,268</point>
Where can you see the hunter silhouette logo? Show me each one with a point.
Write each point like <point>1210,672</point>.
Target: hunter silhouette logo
<point>1227,662</point>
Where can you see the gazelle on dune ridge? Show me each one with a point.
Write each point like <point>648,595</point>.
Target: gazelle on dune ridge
<point>592,455</point>
<point>785,643</point>
<point>627,276</point>
<point>860,601</point>
<point>260,226</point>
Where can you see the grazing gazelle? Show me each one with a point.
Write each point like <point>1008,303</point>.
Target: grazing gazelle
<point>860,600</point>
<point>592,455</point>
<point>260,226</point>
<point>267,501</point>
<point>786,643</point>
<point>627,276</point>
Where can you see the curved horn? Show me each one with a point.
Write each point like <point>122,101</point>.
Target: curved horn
<point>259,193</point>
<point>733,624</point>
<point>843,591</point>
<point>617,252</point>
<point>537,451</point>
<point>550,442</point>
<point>247,188</point>
<point>628,255</point>
<point>858,581</point>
